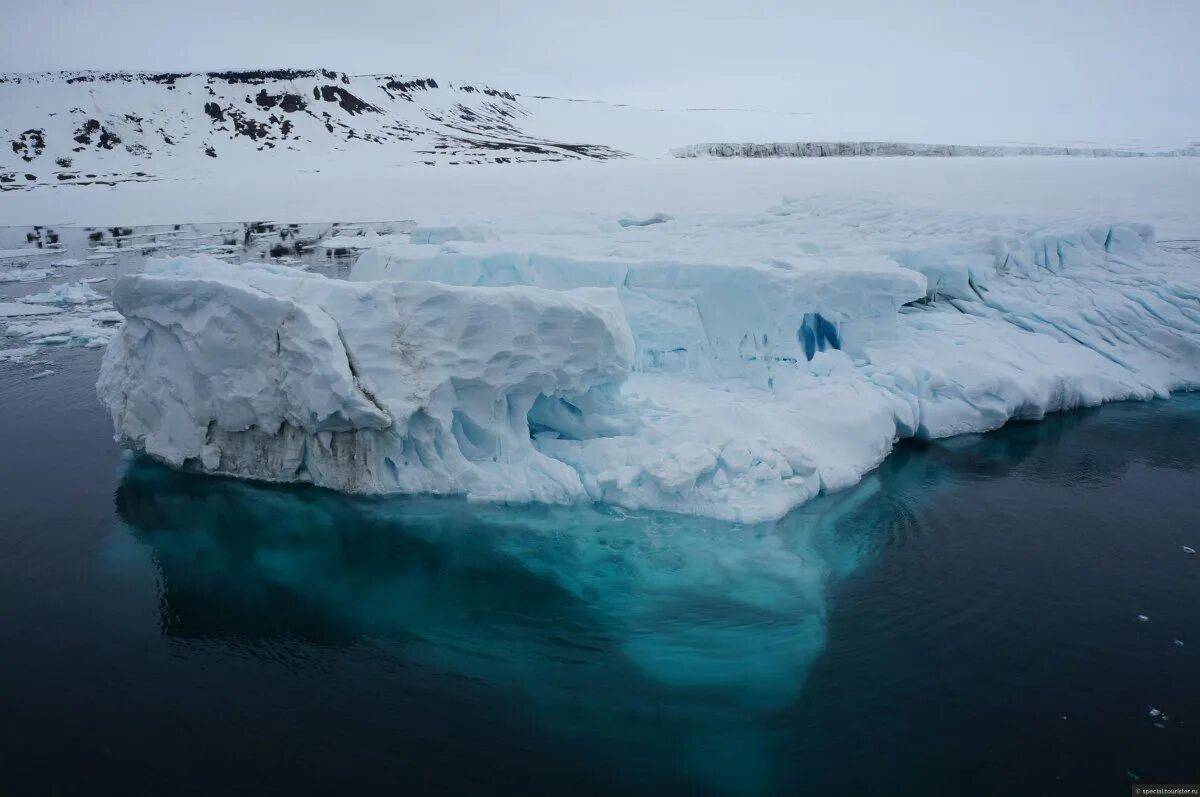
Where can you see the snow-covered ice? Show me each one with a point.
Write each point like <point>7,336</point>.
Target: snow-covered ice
<point>725,364</point>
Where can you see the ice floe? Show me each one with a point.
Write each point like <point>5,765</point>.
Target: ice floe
<point>8,254</point>
<point>24,275</point>
<point>66,294</point>
<point>22,308</point>
<point>70,314</point>
<point>645,221</point>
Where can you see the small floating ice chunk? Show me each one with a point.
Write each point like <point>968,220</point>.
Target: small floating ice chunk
<point>107,317</point>
<point>1143,618</point>
<point>24,275</point>
<point>66,293</point>
<point>69,329</point>
<point>1178,643</point>
<point>18,354</point>
<point>13,253</point>
<point>657,218</point>
<point>14,309</point>
<point>1154,712</point>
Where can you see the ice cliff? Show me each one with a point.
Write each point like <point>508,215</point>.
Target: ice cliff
<point>726,366</point>
<point>268,373</point>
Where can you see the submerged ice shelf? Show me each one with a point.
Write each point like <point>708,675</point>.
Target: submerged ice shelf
<point>728,366</point>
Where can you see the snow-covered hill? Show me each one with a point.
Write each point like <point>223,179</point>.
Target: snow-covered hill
<point>97,127</point>
<point>88,128</point>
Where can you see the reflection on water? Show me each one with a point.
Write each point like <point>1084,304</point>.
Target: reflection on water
<point>675,646</point>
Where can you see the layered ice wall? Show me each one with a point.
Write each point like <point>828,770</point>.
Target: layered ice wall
<point>729,366</point>
<point>269,373</point>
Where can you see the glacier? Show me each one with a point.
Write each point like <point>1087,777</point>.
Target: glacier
<point>898,149</point>
<point>718,364</point>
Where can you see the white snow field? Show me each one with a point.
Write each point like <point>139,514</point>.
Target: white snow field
<point>718,338</point>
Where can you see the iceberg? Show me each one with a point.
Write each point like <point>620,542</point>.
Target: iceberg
<point>726,366</point>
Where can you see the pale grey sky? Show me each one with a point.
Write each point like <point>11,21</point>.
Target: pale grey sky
<point>1041,70</point>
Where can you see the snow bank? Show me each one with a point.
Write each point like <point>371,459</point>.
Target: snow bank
<point>269,373</point>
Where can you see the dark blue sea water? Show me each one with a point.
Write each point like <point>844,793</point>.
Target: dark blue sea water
<point>966,621</point>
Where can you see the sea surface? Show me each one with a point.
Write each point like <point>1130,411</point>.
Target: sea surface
<point>1012,613</point>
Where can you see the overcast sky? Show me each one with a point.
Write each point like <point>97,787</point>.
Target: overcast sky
<point>1065,69</point>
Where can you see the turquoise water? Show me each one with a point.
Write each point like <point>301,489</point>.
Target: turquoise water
<point>970,611</point>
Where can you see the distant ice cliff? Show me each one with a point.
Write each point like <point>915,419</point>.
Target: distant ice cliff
<point>893,149</point>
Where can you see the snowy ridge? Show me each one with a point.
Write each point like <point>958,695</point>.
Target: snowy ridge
<point>102,127</point>
<point>893,149</point>
<point>722,365</point>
